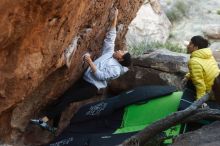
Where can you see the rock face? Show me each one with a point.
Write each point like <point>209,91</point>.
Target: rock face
<point>34,34</point>
<point>161,67</point>
<point>192,14</point>
<point>150,25</point>
<point>206,136</point>
<point>212,31</point>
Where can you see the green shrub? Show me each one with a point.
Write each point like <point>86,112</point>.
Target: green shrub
<point>174,47</point>
<point>137,48</point>
<point>143,47</point>
<point>218,12</point>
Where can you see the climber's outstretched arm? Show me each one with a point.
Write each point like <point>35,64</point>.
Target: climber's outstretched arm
<point>109,42</point>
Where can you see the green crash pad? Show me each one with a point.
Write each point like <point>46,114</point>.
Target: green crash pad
<point>138,116</point>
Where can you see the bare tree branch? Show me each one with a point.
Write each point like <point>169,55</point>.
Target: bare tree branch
<point>201,114</point>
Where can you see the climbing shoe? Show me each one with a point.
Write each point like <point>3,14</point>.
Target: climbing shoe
<point>43,125</point>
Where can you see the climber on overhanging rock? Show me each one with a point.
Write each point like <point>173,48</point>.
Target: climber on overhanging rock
<point>110,65</point>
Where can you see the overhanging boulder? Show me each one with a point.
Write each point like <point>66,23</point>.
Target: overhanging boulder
<point>161,67</point>
<point>34,34</point>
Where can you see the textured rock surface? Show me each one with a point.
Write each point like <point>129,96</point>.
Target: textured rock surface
<point>34,33</point>
<point>164,60</point>
<point>192,14</point>
<point>206,136</point>
<point>212,31</point>
<point>161,67</point>
<point>150,25</point>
